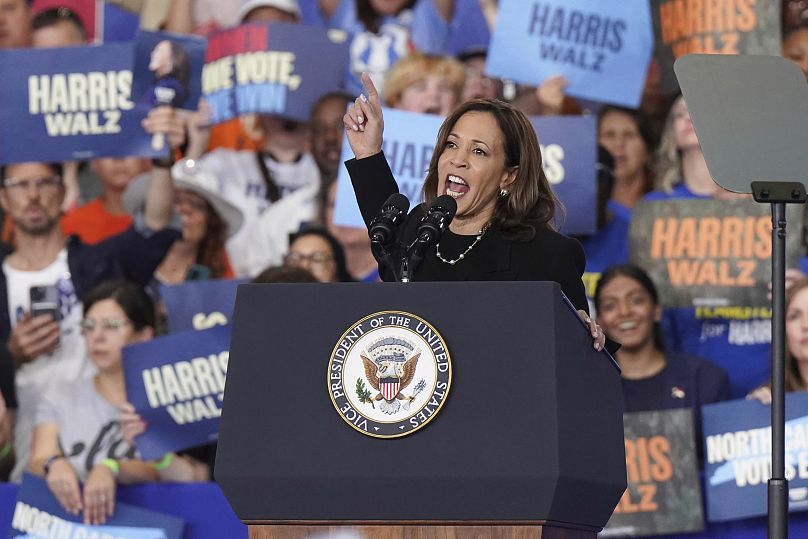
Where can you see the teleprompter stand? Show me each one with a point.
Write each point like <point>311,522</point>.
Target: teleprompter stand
<point>750,114</point>
<point>528,444</point>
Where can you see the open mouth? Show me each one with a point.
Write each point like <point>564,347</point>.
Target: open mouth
<point>456,186</point>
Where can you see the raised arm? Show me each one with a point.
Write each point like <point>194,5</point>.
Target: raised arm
<point>160,194</point>
<point>364,122</point>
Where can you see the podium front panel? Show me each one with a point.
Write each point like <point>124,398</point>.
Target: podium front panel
<point>530,429</point>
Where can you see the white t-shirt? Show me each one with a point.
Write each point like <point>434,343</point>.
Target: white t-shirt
<point>241,183</point>
<point>67,363</point>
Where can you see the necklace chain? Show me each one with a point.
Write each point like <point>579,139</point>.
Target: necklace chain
<point>464,253</point>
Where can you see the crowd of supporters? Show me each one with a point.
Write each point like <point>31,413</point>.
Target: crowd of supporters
<point>254,198</point>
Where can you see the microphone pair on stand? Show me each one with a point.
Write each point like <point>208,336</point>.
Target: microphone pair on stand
<point>404,259</point>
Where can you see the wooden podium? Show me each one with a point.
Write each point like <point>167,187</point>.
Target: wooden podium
<point>528,443</point>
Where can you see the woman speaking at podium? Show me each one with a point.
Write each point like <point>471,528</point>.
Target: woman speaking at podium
<point>487,159</point>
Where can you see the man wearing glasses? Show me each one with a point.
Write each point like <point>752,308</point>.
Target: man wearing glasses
<point>48,347</point>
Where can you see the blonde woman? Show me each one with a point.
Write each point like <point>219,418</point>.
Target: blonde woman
<point>424,83</point>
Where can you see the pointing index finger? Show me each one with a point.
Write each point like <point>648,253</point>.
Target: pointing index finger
<point>370,88</point>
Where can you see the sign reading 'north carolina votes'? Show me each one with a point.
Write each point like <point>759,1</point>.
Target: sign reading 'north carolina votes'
<point>737,454</point>
<point>567,145</point>
<point>713,27</point>
<point>38,515</point>
<point>196,305</point>
<point>176,383</point>
<point>279,69</point>
<point>709,252</point>
<point>663,494</point>
<point>68,104</point>
<point>602,48</point>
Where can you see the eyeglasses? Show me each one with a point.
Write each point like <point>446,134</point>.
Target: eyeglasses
<point>107,325</point>
<point>317,257</point>
<point>43,183</point>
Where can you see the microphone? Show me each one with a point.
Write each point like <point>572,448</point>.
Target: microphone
<point>383,227</point>
<point>436,221</point>
<point>162,96</point>
<point>432,226</point>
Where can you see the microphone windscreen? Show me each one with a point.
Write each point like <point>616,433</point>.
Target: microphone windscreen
<point>398,200</point>
<point>448,204</point>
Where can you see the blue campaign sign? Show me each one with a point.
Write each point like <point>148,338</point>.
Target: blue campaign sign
<point>37,514</point>
<point>409,141</point>
<point>168,70</point>
<point>69,104</point>
<point>737,456</point>
<point>176,384</point>
<point>198,305</point>
<point>602,48</point>
<point>569,152</point>
<point>278,68</point>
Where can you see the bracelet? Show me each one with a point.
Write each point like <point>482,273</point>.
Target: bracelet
<point>164,462</point>
<point>49,462</point>
<point>113,466</point>
<point>6,449</point>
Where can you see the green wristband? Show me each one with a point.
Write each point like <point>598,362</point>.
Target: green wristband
<point>113,466</point>
<point>164,462</point>
<point>6,449</point>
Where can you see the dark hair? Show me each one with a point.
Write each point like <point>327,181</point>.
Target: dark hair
<point>370,18</point>
<point>637,274</point>
<point>531,204</point>
<point>180,64</point>
<point>211,252</point>
<point>637,117</point>
<point>336,250</point>
<point>57,169</point>
<point>285,274</point>
<point>131,298</point>
<point>55,15</point>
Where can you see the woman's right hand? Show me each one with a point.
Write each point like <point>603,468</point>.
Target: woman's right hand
<point>364,122</point>
<point>63,482</point>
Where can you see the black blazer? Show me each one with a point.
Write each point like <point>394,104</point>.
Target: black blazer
<point>549,256</point>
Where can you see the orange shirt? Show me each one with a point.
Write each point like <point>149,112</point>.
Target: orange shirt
<point>93,223</point>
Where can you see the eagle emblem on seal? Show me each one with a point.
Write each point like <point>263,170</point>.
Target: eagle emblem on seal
<point>390,365</point>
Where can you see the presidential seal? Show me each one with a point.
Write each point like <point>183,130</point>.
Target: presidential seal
<point>389,374</point>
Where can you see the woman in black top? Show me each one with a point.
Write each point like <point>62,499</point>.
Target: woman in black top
<point>487,158</point>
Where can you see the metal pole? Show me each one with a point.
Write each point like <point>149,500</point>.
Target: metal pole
<point>778,484</point>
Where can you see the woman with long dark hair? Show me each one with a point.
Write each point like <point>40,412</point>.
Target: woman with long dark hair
<point>207,220</point>
<point>487,158</point>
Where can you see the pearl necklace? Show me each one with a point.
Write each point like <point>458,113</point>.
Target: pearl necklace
<point>464,253</point>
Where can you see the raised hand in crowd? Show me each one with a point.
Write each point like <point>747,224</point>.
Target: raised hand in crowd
<point>160,195</point>
<point>32,337</point>
<point>550,95</point>
<point>364,122</point>
<point>166,120</point>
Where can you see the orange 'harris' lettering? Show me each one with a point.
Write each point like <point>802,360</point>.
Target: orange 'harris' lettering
<point>705,26</point>
<point>711,237</point>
